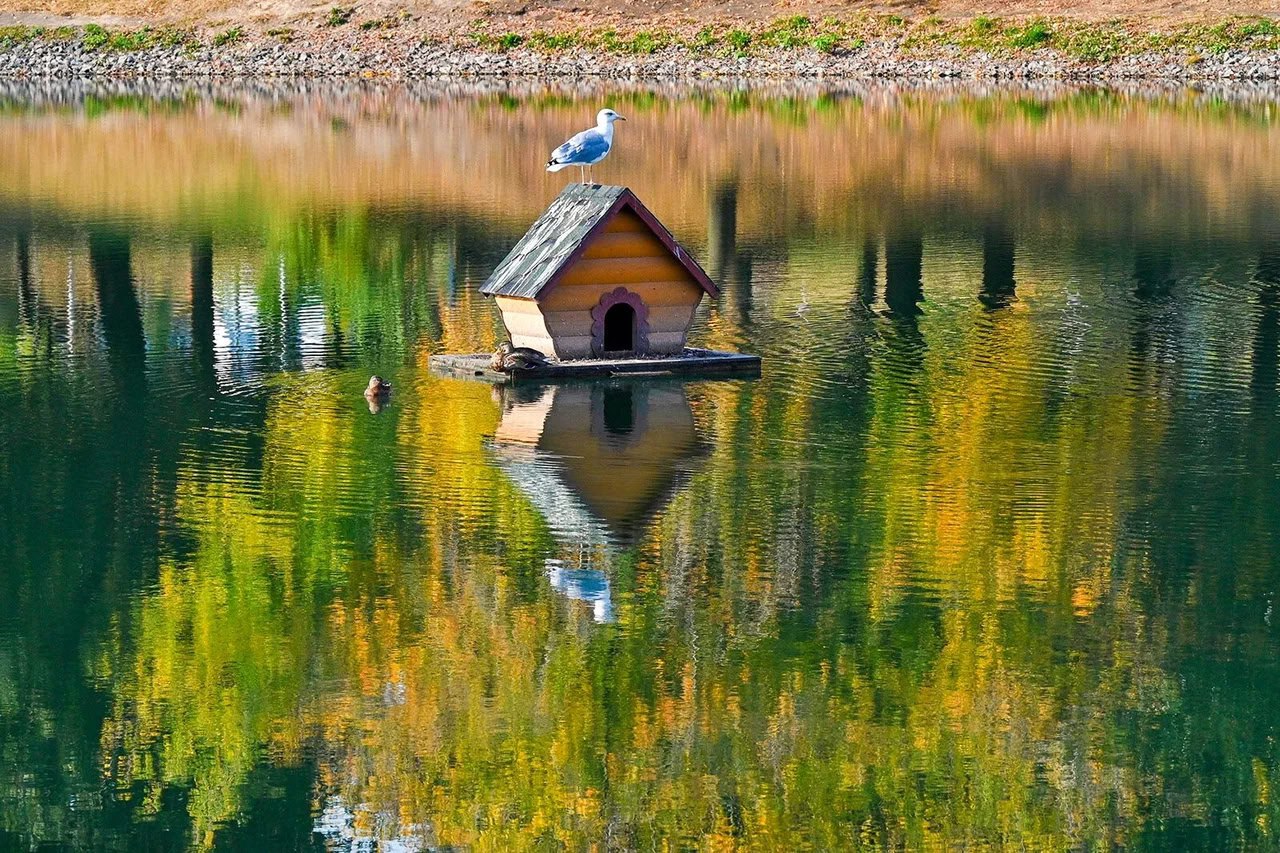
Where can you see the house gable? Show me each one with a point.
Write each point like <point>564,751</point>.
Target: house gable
<point>581,217</point>
<point>626,253</point>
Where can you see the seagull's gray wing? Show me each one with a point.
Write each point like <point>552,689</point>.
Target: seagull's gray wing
<point>585,148</point>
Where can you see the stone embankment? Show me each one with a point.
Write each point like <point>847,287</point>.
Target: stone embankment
<point>265,57</point>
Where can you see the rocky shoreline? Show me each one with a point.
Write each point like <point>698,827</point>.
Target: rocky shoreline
<point>326,57</point>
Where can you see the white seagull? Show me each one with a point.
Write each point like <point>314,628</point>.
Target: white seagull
<point>586,148</point>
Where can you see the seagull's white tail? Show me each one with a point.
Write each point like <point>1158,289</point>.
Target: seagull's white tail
<point>553,166</point>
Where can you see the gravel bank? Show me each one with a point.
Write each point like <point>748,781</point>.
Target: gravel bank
<point>328,56</point>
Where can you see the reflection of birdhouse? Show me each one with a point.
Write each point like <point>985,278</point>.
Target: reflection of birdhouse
<point>598,460</point>
<point>597,276</point>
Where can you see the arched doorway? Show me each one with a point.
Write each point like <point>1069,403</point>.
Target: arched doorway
<point>620,328</point>
<point>620,325</point>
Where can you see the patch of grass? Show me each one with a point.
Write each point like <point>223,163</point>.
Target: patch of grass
<point>738,41</point>
<point>19,34</point>
<point>1087,42</point>
<point>705,39</point>
<point>94,37</point>
<point>229,36</point>
<point>825,43</point>
<point>609,40</point>
<point>126,41</point>
<point>1218,38</point>
<point>646,42</point>
<point>173,37</point>
<point>545,42</point>
<point>285,34</point>
<point>1251,33</point>
<point>1260,27</point>
<point>479,34</point>
<point>386,22</point>
<point>339,15</point>
<point>1097,44</point>
<point>786,32</point>
<point>1034,34</point>
<point>10,36</point>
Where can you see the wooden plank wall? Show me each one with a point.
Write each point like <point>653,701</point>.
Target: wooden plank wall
<point>626,255</point>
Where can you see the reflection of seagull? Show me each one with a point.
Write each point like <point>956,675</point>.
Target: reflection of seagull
<point>589,585</point>
<point>586,148</point>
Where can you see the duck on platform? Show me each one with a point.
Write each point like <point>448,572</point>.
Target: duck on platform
<point>508,358</point>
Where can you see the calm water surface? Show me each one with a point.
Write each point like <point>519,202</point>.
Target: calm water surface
<point>986,558</point>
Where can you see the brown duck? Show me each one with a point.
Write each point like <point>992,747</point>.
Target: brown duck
<point>508,358</point>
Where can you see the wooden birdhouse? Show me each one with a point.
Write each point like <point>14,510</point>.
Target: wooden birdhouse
<point>598,277</point>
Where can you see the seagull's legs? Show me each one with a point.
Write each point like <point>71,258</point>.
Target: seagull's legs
<point>582,173</point>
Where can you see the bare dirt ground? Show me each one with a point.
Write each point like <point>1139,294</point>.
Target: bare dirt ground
<point>452,16</point>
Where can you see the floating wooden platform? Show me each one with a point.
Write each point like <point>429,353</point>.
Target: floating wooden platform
<point>692,362</point>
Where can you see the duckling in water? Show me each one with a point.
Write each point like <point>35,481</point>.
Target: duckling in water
<point>509,358</point>
<point>376,393</point>
<point>378,389</point>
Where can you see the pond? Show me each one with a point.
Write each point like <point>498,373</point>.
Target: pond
<point>987,555</point>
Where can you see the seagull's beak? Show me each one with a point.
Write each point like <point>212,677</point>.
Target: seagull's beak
<point>622,118</point>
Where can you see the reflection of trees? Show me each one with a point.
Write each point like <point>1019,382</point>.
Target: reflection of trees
<point>217,666</point>
<point>854,615</point>
<point>900,599</point>
<point>867,272</point>
<point>903,261</point>
<point>81,492</point>
<point>997,265</point>
<point>1064,167</point>
<point>1209,583</point>
<point>109,257</point>
<point>202,346</point>
<point>875,643</point>
<point>26,293</point>
<point>729,264</point>
<point>1266,345</point>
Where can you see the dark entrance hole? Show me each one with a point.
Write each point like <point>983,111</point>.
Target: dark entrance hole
<point>619,328</point>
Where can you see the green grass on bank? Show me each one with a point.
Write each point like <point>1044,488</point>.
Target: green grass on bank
<point>1093,42</point>
<point>94,37</point>
<point>1090,42</point>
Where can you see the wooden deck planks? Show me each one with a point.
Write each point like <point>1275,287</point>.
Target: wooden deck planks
<point>694,362</point>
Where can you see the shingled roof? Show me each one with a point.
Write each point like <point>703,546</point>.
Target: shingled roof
<point>562,234</point>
